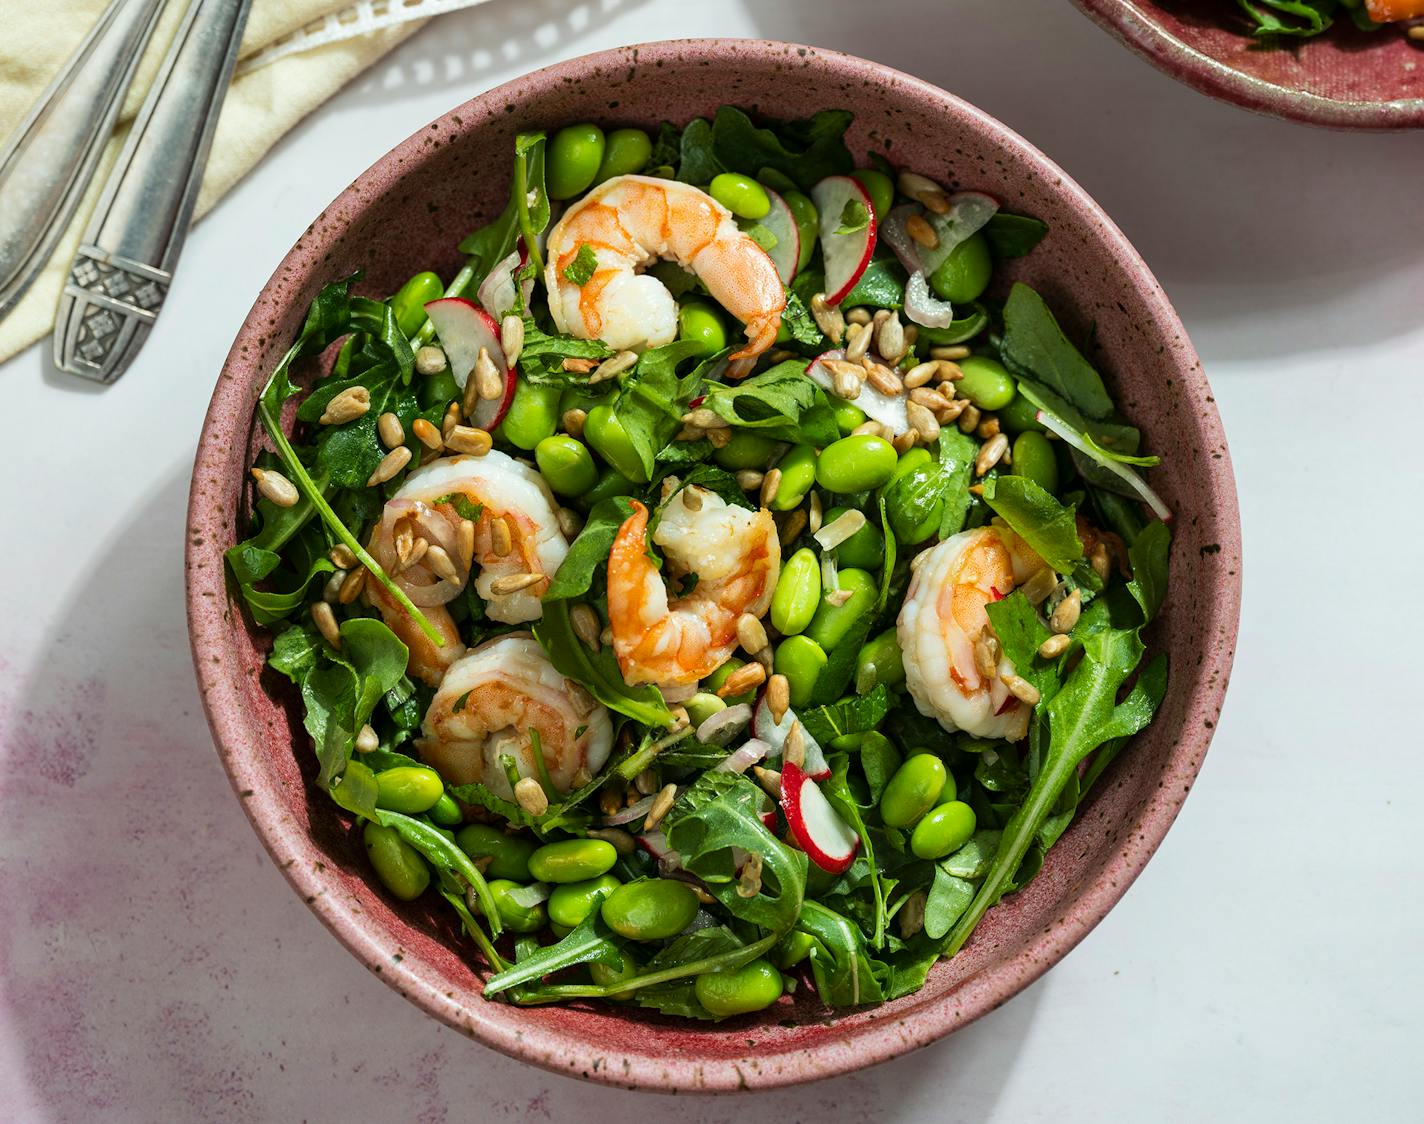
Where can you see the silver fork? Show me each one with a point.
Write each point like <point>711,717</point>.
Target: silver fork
<point>119,278</point>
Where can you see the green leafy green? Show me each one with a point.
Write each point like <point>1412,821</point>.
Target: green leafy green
<point>796,318</point>
<point>1038,518</point>
<point>697,161</point>
<point>844,972</point>
<point>589,943</point>
<point>1013,236</point>
<point>1020,631</point>
<point>1148,555</point>
<point>949,897</point>
<point>1035,346</point>
<point>882,285</point>
<point>780,401</point>
<point>1302,19</point>
<point>852,715</point>
<point>589,550</point>
<point>653,398</point>
<point>803,151</point>
<point>597,671</point>
<point>580,271</point>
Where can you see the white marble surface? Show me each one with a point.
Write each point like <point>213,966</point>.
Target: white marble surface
<point>155,967</point>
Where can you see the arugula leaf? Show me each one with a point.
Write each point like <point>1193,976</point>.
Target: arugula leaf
<point>1148,555</point>
<point>667,147</point>
<point>1020,632</point>
<point>849,716</point>
<point>721,811</point>
<point>597,671</point>
<point>882,285</point>
<point>843,970</point>
<point>972,860</point>
<point>652,400</point>
<point>1013,236</point>
<point>803,151</point>
<point>589,943</point>
<point>1302,19</point>
<point>941,486</point>
<point>679,997</point>
<point>1034,345</point>
<point>836,789</point>
<point>1036,517</point>
<point>949,897</point>
<point>542,356</point>
<point>589,550</point>
<point>878,761</point>
<point>580,271</point>
<point>773,399</point>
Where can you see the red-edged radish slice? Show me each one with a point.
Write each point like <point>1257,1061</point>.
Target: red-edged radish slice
<point>846,255</point>
<point>826,838</point>
<point>887,410</point>
<point>464,328</point>
<point>782,224</point>
<point>656,844</point>
<point>768,811</point>
<point>774,735</point>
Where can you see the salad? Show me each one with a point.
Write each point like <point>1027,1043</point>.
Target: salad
<point>1305,19</point>
<point>709,591</point>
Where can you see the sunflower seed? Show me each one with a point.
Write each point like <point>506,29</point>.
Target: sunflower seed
<point>792,524</point>
<point>622,842</point>
<point>353,585</point>
<point>442,565</point>
<point>347,406</point>
<point>429,360</point>
<point>513,583</point>
<point>924,420</point>
<point>770,781</point>
<point>325,621</point>
<point>969,419</point>
<point>570,522</point>
<point>585,625</point>
<point>829,319</point>
<point>1065,616</point>
<point>511,338</point>
<point>905,441</point>
<point>920,374</point>
<point>770,484</point>
<point>991,453</point>
<point>662,805</point>
<point>613,367</point>
<point>749,879</point>
<point>366,740</point>
<point>746,678</point>
<point>749,479</point>
<point>751,633</point>
<point>466,543</point>
<point>1054,647</point>
<point>778,697</point>
<point>501,540</point>
<point>857,315</point>
<point>793,751</point>
<point>390,464</point>
<point>883,379</point>
<point>839,529</point>
<point>922,232</point>
<point>1022,689</point>
<point>388,429</point>
<point>814,513</point>
<point>531,796</point>
<point>276,487</point>
<point>468,439</point>
<point>858,337</point>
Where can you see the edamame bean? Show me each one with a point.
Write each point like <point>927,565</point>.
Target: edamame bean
<point>880,661</point>
<point>516,918</point>
<point>572,860</point>
<point>738,991</point>
<point>880,188</point>
<point>912,791</point>
<point>606,974</point>
<point>855,464</point>
<point>798,593</point>
<point>1020,416</point>
<point>986,383</point>
<point>741,195</point>
<point>848,415</point>
<point>792,949</point>
<point>698,320</point>
<point>1035,459</point>
<point>446,812</point>
<point>808,225</point>
<point>533,414</point>
<point>964,274</point>
<point>651,909</point>
<point>508,854</point>
<point>798,474</point>
<point>950,791</point>
<point>832,622</point>
<point>746,449</point>
<point>865,549</point>
<point>570,903</point>
<point>625,152</point>
<point>604,431</point>
<point>572,160</point>
<point>610,483</point>
<point>566,465</point>
<point>800,659</point>
<point>943,830</point>
<point>438,389</point>
<point>409,301</point>
<point>398,865</point>
<point>703,706</point>
<point>411,789</point>
<point>713,683</point>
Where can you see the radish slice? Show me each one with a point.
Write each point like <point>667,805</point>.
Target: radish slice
<point>884,408</point>
<point>826,838</point>
<point>774,735</point>
<point>656,844</point>
<point>846,255</point>
<point>923,307</point>
<point>967,214</point>
<point>1117,468</point>
<point>463,328</point>
<point>782,224</point>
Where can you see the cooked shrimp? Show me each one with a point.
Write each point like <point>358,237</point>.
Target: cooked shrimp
<point>942,621</point>
<point>504,491</point>
<point>736,556</point>
<point>489,702</point>
<point>631,221</point>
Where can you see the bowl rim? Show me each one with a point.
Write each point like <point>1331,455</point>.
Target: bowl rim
<point>300,861</point>
<point>1126,21</point>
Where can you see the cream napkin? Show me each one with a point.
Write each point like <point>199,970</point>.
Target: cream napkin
<point>261,105</point>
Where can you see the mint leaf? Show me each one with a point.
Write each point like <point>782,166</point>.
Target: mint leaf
<point>1034,345</point>
<point>581,270</point>
<point>1038,518</point>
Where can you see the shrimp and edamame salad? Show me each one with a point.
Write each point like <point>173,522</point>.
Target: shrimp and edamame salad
<point>725,585</point>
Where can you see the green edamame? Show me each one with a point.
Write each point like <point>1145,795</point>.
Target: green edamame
<point>741,195</point>
<point>808,225</point>
<point>698,320</point>
<point>610,483</point>
<point>1020,416</point>
<point>792,949</point>
<point>508,854</point>
<point>913,790</point>
<point>864,550</point>
<point>397,864</point>
<point>832,622</point>
<point>606,974</point>
<point>703,706</point>
<point>604,431</point>
<point>533,414</point>
<point>1034,458</point>
<point>445,811</point>
<point>738,991</point>
<point>517,918</point>
<point>566,465</point>
<point>950,791</point>
<point>625,152</point>
<point>798,593</point>
<point>986,383</point>
<point>800,659</point>
<point>879,661</point>
<point>438,389</point>
<point>572,860</point>
<point>848,415</point>
<point>571,902</point>
<point>798,475</point>
<point>855,464</point>
<point>943,831</point>
<point>572,160</point>
<point>745,450</point>
<point>964,274</point>
<point>409,301</point>
<point>879,187</point>
<point>651,909</point>
<point>411,789</point>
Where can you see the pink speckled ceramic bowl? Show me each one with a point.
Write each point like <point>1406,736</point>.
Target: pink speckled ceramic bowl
<point>1345,79</point>
<point>407,213</point>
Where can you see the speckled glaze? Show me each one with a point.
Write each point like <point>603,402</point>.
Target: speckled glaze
<point>1344,79</point>
<point>407,213</point>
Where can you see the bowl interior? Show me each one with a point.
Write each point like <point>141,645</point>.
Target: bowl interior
<point>408,213</point>
<point>1346,77</point>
